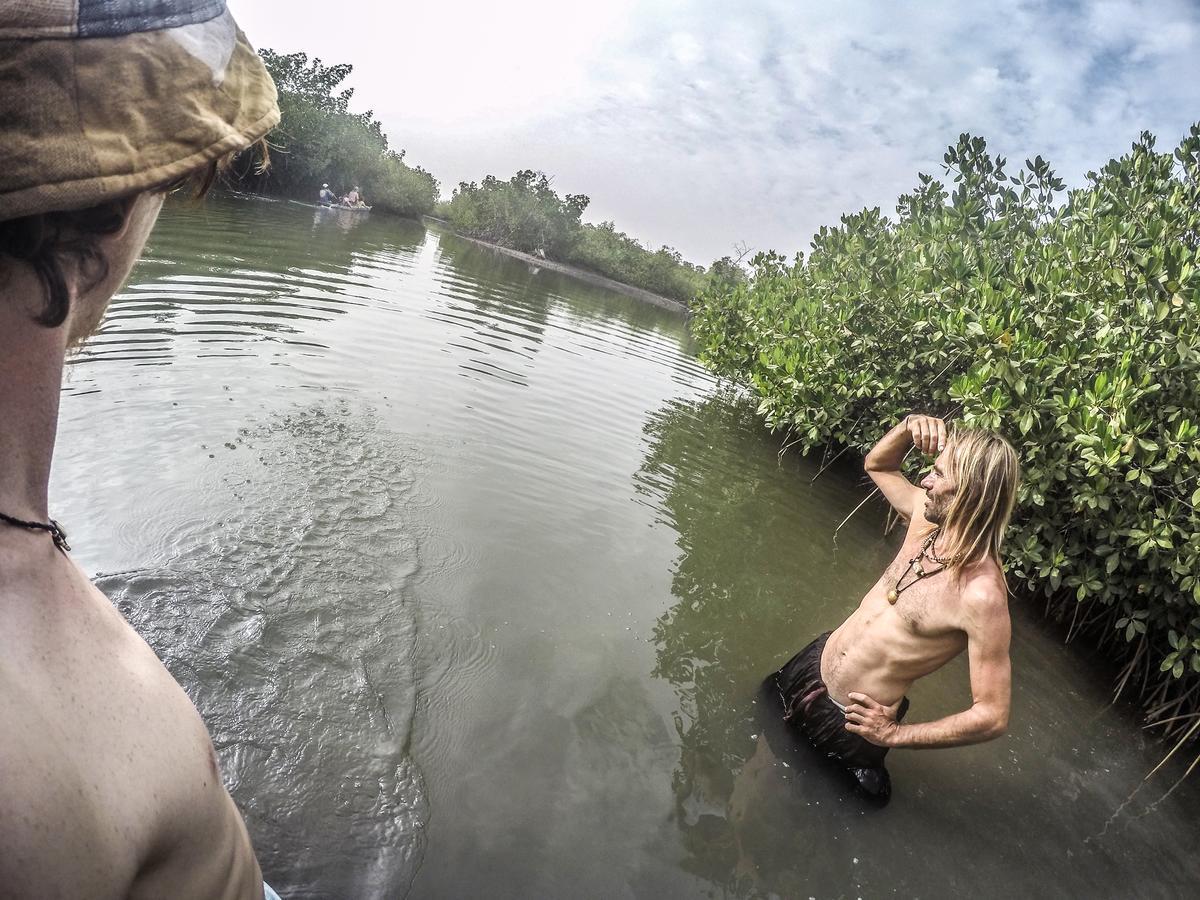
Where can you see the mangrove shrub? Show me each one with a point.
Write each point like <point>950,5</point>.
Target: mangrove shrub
<point>603,249</point>
<point>1065,319</point>
<point>320,141</point>
<point>525,213</point>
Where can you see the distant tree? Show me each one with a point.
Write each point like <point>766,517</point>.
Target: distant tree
<point>523,212</point>
<point>319,140</point>
<point>607,251</point>
<point>725,274</point>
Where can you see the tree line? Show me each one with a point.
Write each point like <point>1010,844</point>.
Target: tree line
<point>319,141</point>
<point>525,213</point>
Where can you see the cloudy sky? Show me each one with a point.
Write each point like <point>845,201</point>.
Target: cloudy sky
<point>706,124</point>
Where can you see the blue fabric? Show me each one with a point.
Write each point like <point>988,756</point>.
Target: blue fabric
<point>110,18</point>
<point>269,893</point>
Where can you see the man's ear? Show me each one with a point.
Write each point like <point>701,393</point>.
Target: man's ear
<point>124,207</point>
<point>130,218</point>
<point>126,219</point>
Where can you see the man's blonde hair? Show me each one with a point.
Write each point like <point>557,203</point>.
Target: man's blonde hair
<point>986,474</point>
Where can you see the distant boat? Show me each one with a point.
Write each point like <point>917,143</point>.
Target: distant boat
<point>341,207</point>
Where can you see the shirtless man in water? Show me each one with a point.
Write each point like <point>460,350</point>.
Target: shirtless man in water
<point>943,593</point>
<point>109,785</point>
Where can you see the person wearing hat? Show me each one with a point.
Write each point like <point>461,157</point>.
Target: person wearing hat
<point>109,784</point>
<point>326,195</point>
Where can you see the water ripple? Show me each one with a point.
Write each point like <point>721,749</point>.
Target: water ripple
<point>303,590</point>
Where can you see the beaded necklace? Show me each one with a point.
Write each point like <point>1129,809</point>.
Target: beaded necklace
<point>915,568</point>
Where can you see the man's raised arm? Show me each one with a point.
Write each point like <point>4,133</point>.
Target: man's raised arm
<point>928,434</point>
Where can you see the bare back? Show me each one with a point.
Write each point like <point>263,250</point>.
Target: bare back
<point>102,753</point>
<point>881,649</point>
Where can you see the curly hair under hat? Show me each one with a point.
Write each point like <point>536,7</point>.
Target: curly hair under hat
<point>103,102</point>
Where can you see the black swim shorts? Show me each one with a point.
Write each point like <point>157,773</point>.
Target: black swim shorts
<point>808,708</point>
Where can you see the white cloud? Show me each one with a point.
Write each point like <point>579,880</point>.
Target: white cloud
<point>705,123</point>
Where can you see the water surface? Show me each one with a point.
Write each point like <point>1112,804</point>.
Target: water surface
<point>472,572</point>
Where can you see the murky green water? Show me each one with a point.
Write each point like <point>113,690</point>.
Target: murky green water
<point>472,572</point>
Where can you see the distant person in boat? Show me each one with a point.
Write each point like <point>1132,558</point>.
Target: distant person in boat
<point>109,783</point>
<point>326,195</point>
<point>943,593</point>
<point>353,198</point>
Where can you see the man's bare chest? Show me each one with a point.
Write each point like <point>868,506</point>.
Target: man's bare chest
<point>926,601</point>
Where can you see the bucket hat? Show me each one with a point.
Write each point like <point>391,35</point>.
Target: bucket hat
<point>100,99</point>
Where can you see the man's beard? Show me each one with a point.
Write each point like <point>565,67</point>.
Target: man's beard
<point>935,512</point>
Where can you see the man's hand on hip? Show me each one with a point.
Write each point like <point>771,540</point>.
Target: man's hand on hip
<point>873,721</point>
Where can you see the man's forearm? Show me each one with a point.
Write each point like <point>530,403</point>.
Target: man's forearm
<point>972,726</point>
<point>888,454</point>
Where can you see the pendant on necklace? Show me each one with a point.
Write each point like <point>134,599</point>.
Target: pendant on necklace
<point>893,595</point>
<point>920,572</point>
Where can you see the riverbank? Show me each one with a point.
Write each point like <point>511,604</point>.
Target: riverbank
<point>584,275</point>
<point>566,269</point>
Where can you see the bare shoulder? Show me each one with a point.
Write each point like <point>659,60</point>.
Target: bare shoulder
<point>43,785</point>
<point>984,594</point>
<point>55,838</point>
<point>103,750</point>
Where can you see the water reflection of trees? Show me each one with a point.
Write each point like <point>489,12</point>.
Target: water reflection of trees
<point>233,270</point>
<point>756,577</point>
<point>580,299</point>
<point>504,308</point>
<point>292,236</point>
<point>750,543</point>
